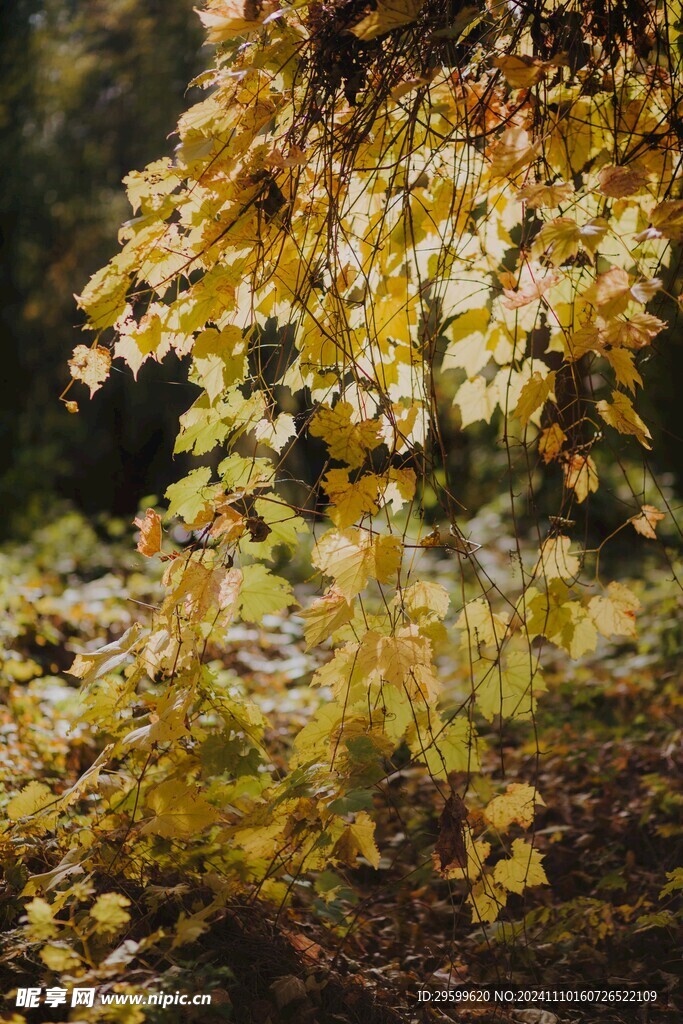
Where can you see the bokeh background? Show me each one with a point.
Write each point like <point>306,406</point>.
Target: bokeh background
<point>90,89</point>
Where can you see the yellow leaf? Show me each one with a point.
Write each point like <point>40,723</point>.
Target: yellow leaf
<point>41,924</point>
<point>645,522</point>
<point>89,667</point>
<point>109,910</point>
<point>149,541</point>
<point>363,834</point>
<point>522,870</point>
<point>623,363</point>
<point>622,416</point>
<point>32,798</point>
<point>351,500</point>
<point>178,811</point>
<point>508,688</point>
<point>352,557</point>
<point>424,599</point>
<point>537,196</point>
<point>480,625</point>
<point>534,395</point>
<point>555,560</point>
<point>454,749</point>
<point>346,440</point>
<point>324,616</point>
<point>666,220</point>
<point>520,72</point>
<point>550,442</point>
<point>580,476</point>
<point>476,401</point>
<point>467,349</point>
<point>59,957</point>
<point>90,365</point>
<point>487,901</point>
<point>276,433</point>
<point>515,805</point>
<point>610,292</point>
<point>512,153</point>
<point>225,19</point>
<point>387,16</point>
<point>615,614</point>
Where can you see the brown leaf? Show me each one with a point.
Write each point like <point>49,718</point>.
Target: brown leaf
<point>450,846</point>
<point>149,541</point>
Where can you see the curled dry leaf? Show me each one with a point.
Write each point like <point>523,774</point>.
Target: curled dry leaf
<point>450,850</point>
<point>149,541</point>
<point>645,523</point>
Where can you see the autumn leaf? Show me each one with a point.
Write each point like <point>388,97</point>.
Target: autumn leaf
<point>387,16</point>
<point>580,476</point>
<point>645,523</point>
<point>520,72</point>
<point>614,613</point>
<point>324,616</point>
<point>449,850</point>
<point>178,811</point>
<point>522,870</point>
<point>534,395</point>
<point>515,805</point>
<point>551,442</point>
<point>149,541</point>
<point>622,416</point>
<point>617,182</point>
<point>90,366</point>
<point>91,666</point>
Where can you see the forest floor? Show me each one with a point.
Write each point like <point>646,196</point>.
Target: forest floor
<point>604,751</point>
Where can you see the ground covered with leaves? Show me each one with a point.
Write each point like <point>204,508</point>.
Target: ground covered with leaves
<point>349,944</point>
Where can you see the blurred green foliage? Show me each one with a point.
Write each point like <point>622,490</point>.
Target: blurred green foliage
<point>88,90</point>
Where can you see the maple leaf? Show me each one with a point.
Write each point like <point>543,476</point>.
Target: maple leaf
<point>636,332</point>
<point>347,440</point>
<point>261,593</point>
<point>614,614</point>
<point>352,557</point>
<point>556,561</point>
<point>178,811</point>
<point>580,476</point>
<point>91,666</point>
<point>611,292</point>
<point>352,501</point>
<point>645,522</point>
<point>225,19</point>
<point>149,541</point>
<point>33,797</point>
<point>324,616</point>
<point>515,805</point>
<point>110,912</point>
<point>537,195</point>
<point>622,416</point>
<point>521,72</point>
<point>522,870</point>
<point>550,442</point>
<point>90,365</point>
<point>533,396</point>
<point>487,901</point>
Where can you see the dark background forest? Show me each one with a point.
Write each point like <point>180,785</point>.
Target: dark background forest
<point>90,90</point>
